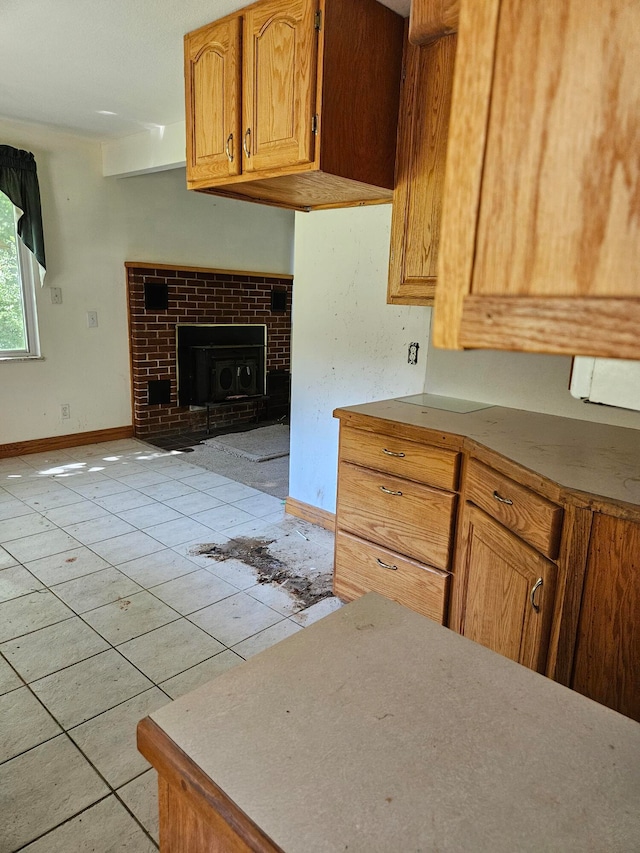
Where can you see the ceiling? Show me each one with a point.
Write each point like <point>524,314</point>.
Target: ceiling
<point>103,68</point>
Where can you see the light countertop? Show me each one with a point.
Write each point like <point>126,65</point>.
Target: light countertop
<point>377,729</point>
<point>579,456</point>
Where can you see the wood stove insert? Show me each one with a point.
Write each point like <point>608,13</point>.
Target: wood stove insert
<point>219,363</point>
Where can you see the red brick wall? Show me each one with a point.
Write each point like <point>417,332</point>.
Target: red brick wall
<point>203,296</point>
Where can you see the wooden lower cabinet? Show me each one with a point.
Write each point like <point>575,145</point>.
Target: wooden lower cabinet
<point>504,591</point>
<point>395,519</point>
<point>607,656</point>
<point>543,574</point>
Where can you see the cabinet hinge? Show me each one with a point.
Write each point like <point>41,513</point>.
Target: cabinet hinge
<point>317,21</point>
<point>314,124</point>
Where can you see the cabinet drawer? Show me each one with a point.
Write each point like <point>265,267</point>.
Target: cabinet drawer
<point>434,466</point>
<point>363,567</point>
<point>399,514</point>
<point>532,517</point>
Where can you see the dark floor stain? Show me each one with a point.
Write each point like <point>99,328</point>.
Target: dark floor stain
<point>307,588</point>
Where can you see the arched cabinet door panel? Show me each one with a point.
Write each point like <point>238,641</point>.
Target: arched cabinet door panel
<point>212,81</point>
<point>279,81</point>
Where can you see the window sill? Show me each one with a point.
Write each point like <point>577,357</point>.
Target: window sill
<point>9,358</point>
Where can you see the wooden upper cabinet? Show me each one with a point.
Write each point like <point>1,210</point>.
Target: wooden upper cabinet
<point>504,591</point>
<point>540,246</point>
<point>425,104</point>
<point>280,60</point>
<point>212,74</point>
<point>317,91</point>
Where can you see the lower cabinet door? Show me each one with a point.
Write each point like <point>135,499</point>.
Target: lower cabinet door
<point>361,567</point>
<point>607,655</point>
<point>503,591</point>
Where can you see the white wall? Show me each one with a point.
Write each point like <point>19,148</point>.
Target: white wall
<point>537,383</point>
<point>348,345</point>
<point>92,226</point>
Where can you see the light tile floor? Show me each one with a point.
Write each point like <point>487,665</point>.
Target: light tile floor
<point>107,611</point>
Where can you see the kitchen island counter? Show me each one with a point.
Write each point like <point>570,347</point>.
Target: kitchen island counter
<point>378,730</point>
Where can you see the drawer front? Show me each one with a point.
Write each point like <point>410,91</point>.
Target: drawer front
<point>423,463</point>
<point>532,517</point>
<point>404,516</point>
<point>363,567</point>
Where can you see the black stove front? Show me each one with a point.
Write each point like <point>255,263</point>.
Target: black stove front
<point>225,373</point>
<point>220,362</point>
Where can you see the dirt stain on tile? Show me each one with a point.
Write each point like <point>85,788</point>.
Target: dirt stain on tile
<point>308,588</point>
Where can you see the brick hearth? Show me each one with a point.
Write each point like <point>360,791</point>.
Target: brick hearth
<point>197,296</point>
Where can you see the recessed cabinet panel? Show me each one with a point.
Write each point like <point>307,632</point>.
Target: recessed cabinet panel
<point>540,243</point>
<point>559,211</point>
<point>280,56</point>
<point>422,146</point>
<point>212,69</point>
<point>507,591</point>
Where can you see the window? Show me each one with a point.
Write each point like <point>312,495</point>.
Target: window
<point>18,275</point>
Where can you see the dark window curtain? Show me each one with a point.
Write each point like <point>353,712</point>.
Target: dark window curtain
<point>19,181</point>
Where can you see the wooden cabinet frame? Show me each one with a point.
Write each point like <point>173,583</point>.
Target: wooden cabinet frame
<point>568,140</point>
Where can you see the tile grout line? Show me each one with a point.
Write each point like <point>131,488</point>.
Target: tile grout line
<point>110,645</point>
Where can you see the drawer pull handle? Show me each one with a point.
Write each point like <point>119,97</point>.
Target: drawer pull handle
<point>393,453</point>
<point>390,492</point>
<point>536,587</point>
<point>386,565</point>
<point>502,500</point>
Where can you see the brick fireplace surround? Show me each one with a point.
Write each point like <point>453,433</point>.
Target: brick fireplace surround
<point>197,295</point>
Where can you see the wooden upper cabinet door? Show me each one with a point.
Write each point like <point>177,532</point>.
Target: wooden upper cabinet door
<point>212,80</point>
<point>499,582</point>
<point>425,105</point>
<point>541,228</point>
<point>280,62</point>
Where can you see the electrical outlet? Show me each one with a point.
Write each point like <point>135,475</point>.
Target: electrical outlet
<point>65,411</point>
<point>56,295</point>
<point>92,319</point>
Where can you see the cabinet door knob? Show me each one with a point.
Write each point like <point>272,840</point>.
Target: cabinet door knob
<point>227,149</point>
<point>386,565</point>
<point>390,491</point>
<point>502,500</point>
<point>247,142</point>
<point>393,453</point>
<point>536,587</point>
